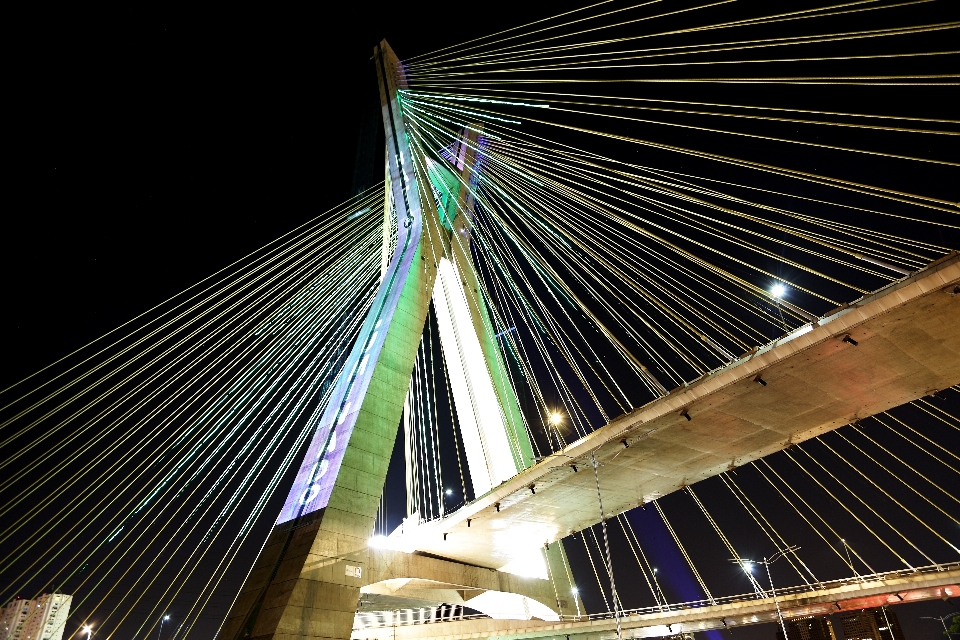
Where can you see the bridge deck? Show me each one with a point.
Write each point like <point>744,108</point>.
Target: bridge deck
<point>872,591</point>
<point>908,345</point>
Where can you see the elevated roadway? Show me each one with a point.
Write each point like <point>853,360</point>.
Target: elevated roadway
<point>866,591</point>
<point>894,346</point>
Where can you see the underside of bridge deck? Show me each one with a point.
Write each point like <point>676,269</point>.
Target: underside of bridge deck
<point>903,343</point>
<point>396,580</point>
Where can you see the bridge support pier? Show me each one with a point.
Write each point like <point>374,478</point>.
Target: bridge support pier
<point>296,592</point>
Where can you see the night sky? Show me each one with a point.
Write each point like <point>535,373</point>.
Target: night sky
<point>155,145</point>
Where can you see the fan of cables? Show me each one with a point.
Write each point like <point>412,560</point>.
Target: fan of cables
<point>137,467</point>
<point>644,216</point>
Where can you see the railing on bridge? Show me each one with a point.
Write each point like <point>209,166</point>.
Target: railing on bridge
<point>449,613</point>
<point>415,615</point>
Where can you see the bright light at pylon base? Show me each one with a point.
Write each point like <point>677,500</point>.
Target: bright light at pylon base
<point>529,566</point>
<point>377,542</point>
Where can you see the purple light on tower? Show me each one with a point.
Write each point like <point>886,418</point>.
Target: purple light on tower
<point>318,472</point>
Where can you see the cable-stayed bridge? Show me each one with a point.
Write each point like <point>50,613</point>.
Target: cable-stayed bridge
<point>628,365</point>
<point>514,520</point>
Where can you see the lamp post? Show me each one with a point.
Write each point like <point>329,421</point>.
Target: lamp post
<point>767,562</point>
<point>555,419</point>
<point>162,620</point>
<point>849,559</point>
<point>943,621</point>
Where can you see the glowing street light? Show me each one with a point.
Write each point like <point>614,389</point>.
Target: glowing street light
<point>162,620</point>
<point>449,492</point>
<point>88,629</point>
<point>556,418</point>
<point>748,568</point>
<point>778,290</point>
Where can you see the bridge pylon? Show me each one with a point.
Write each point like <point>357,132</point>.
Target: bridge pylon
<point>307,579</point>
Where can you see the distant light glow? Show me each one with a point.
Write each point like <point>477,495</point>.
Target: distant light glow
<point>574,591</point>
<point>778,290</point>
<point>556,418</point>
<point>748,567</point>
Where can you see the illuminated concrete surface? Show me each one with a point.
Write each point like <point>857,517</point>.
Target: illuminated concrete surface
<point>306,581</point>
<point>404,576</point>
<point>908,345</point>
<point>885,589</point>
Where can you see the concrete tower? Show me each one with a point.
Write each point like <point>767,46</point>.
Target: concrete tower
<point>306,582</point>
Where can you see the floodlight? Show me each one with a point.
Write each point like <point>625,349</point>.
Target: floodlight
<point>778,290</point>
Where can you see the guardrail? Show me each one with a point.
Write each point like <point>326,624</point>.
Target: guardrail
<point>780,591</point>
<point>449,613</point>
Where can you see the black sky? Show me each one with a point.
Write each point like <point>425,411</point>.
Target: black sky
<point>153,145</point>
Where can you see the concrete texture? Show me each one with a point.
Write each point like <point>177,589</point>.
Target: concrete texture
<point>435,580</point>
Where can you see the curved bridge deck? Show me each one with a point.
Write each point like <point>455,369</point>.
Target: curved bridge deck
<point>904,344</point>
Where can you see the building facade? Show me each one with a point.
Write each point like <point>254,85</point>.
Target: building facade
<point>810,628</point>
<point>41,619</point>
<point>871,624</point>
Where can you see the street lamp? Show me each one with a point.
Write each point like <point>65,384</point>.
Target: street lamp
<point>943,621</point>
<point>846,550</point>
<point>162,620</point>
<point>747,567</point>
<point>576,599</point>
